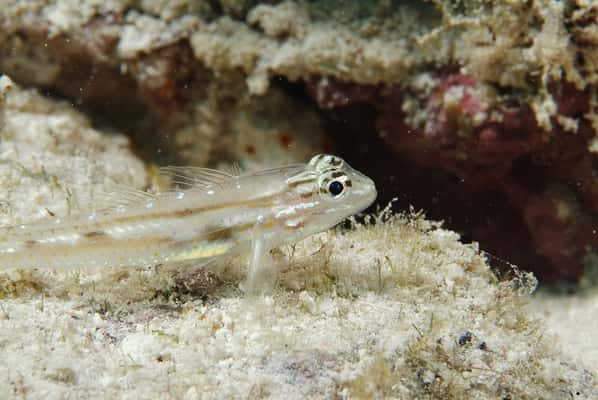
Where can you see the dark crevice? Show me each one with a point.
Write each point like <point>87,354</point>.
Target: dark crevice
<point>485,216</point>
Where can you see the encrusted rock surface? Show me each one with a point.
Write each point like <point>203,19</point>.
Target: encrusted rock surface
<point>52,160</point>
<point>398,307</point>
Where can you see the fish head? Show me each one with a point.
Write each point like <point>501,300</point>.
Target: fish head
<point>324,193</point>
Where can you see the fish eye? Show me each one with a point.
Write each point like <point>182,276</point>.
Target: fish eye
<point>336,188</point>
<point>333,184</point>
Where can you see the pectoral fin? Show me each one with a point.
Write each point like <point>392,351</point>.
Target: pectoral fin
<point>261,274</point>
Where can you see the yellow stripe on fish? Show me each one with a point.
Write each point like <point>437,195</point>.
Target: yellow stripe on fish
<point>205,214</point>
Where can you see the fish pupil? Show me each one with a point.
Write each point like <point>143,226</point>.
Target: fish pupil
<point>335,188</point>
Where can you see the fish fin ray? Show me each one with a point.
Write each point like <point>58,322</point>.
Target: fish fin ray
<point>115,196</point>
<point>236,169</point>
<point>183,178</point>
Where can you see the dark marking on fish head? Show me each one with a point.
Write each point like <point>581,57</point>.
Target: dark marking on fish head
<point>323,162</point>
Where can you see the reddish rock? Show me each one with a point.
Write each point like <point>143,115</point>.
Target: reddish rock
<point>483,164</point>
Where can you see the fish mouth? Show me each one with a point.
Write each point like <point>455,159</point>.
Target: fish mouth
<point>368,195</point>
<point>344,211</point>
<point>373,197</point>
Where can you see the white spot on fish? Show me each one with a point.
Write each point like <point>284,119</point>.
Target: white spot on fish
<point>72,238</point>
<point>285,212</point>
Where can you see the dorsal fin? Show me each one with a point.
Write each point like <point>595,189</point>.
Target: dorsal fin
<point>173,180</point>
<point>116,196</point>
<point>183,178</point>
<point>235,169</point>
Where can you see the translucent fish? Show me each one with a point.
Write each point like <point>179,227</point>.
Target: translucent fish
<point>205,215</point>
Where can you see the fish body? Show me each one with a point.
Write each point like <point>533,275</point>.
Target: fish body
<point>207,214</point>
